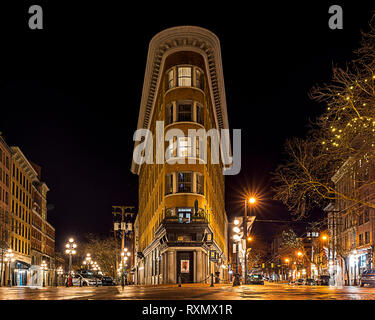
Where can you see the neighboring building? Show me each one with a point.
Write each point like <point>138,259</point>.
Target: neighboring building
<point>22,178</point>
<point>5,162</point>
<point>184,87</point>
<point>352,226</point>
<point>42,234</point>
<point>32,237</point>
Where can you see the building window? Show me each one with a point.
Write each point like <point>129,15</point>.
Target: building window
<point>184,215</point>
<point>361,239</point>
<point>199,183</point>
<point>184,147</point>
<point>198,79</point>
<point>200,114</point>
<point>170,79</point>
<point>184,182</point>
<point>367,236</point>
<point>169,114</point>
<point>168,183</point>
<point>185,112</point>
<point>367,216</point>
<point>184,76</point>
<point>170,150</point>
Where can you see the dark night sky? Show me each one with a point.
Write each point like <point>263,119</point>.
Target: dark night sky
<point>70,94</point>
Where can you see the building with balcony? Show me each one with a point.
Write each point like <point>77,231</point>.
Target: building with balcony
<point>181,225</point>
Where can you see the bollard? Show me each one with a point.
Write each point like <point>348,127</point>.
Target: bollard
<point>179,280</point>
<point>212,280</point>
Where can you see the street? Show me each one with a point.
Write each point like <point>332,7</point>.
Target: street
<point>269,291</point>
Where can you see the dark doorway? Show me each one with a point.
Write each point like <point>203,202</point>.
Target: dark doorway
<point>185,266</point>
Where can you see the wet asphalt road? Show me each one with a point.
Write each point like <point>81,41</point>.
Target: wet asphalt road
<point>193,292</point>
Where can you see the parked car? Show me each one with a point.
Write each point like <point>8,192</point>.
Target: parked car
<point>256,279</point>
<point>79,279</point>
<point>292,282</point>
<point>299,282</point>
<point>309,282</point>
<point>108,281</point>
<point>367,277</point>
<point>323,280</point>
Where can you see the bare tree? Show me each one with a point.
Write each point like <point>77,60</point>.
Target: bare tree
<point>103,252</point>
<point>341,138</point>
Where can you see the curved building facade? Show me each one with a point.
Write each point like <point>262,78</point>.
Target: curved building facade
<point>181,225</point>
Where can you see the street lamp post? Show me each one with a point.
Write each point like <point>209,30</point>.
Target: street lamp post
<point>59,272</point>
<point>43,267</point>
<point>125,254</point>
<point>9,258</point>
<point>251,201</point>
<point>236,238</point>
<point>287,262</point>
<point>70,250</point>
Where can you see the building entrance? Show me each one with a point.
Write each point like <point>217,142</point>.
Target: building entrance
<point>185,266</point>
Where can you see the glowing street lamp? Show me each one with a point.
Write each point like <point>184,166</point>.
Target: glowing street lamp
<point>44,268</point>
<point>70,250</point>
<point>9,258</point>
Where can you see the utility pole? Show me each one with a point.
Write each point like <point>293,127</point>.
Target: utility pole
<point>126,215</point>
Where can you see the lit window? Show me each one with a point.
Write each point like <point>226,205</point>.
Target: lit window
<point>184,147</point>
<point>184,76</point>
<point>170,150</point>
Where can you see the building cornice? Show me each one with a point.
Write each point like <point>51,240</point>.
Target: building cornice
<point>18,155</point>
<point>183,38</point>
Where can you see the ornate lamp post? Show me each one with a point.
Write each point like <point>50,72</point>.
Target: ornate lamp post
<point>9,258</point>
<point>70,250</point>
<point>44,268</point>
<point>124,258</point>
<point>237,239</point>
<point>88,261</point>
<point>60,271</point>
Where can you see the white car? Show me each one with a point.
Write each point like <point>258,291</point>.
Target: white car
<point>85,281</point>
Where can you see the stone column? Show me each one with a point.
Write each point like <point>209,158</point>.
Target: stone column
<point>200,266</point>
<point>171,266</point>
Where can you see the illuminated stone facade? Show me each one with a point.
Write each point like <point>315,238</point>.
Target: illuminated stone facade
<point>184,87</point>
